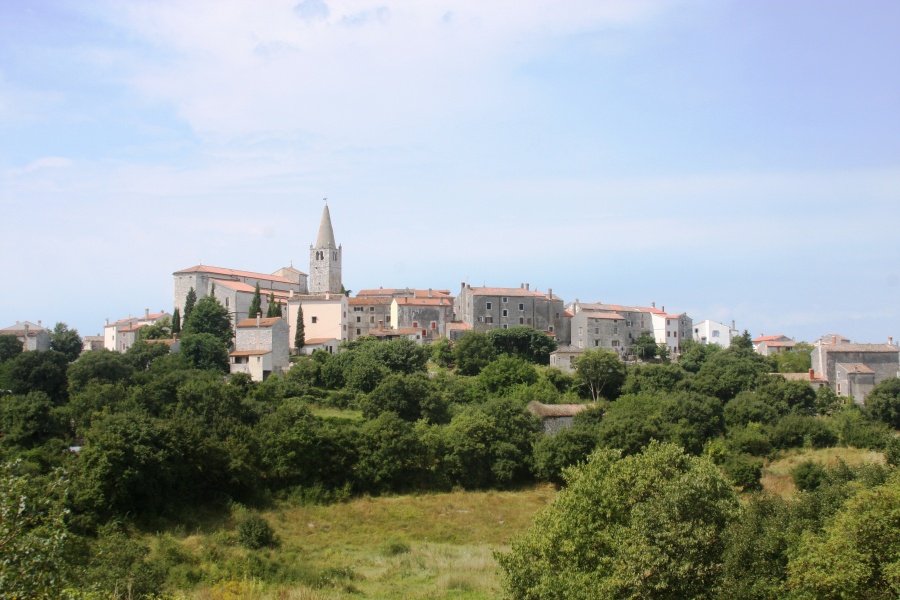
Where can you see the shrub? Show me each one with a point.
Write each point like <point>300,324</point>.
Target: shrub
<point>254,533</point>
<point>744,472</point>
<point>808,475</point>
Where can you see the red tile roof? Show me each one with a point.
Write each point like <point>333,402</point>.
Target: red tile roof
<point>514,292</point>
<point>267,322</point>
<point>423,302</point>
<point>599,314</point>
<point>317,341</point>
<point>250,352</point>
<point>234,273</point>
<point>770,338</point>
<point>370,301</point>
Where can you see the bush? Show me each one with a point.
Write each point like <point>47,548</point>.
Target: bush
<point>808,475</point>
<point>254,533</point>
<point>744,472</point>
<point>751,439</point>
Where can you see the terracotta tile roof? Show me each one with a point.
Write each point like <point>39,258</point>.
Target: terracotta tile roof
<point>780,344</point>
<point>18,327</point>
<point>370,301</point>
<point>459,326</point>
<point>250,352</point>
<point>233,273</point>
<point>568,313</point>
<point>801,377</point>
<point>860,348</point>
<point>568,350</point>
<point>512,292</point>
<point>769,338</point>
<point>267,322</point>
<point>599,314</point>
<point>423,302</point>
<point>238,286</point>
<point>317,341</point>
<point>391,292</point>
<point>857,368</point>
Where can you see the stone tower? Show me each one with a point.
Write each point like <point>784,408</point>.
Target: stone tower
<point>325,260</point>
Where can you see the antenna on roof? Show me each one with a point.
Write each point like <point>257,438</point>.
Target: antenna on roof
<point>325,200</point>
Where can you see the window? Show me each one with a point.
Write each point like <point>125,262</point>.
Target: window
<point>487,305</point>
<point>504,300</point>
<point>226,302</point>
<point>315,319</point>
<point>615,330</point>
<point>357,309</point>
<point>596,342</point>
<point>505,313</point>
<point>359,319</point>
<point>505,326</point>
<point>557,315</point>
<point>489,319</point>
<point>521,320</point>
<point>715,333</point>
<point>579,331</point>
<point>371,309</point>
<point>387,318</point>
<point>615,343</point>
<point>480,319</point>
<point>415,324</point>
<point>358,331</point>
<point>551,329</point>
<point>597,331</point>
<point>371,319</point>
<point>521,306</point>
<point>433,325</point>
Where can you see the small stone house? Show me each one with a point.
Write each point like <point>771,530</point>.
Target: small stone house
<point>261,347</point>
<point>33,336</point>
<point>555,417</point>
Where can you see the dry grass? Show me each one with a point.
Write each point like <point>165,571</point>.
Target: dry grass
<point>428,546</point>
<point>776,477</point>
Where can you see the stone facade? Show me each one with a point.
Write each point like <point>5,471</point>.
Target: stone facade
<point>34,336</point>
<point>563,358</point>
<point>853,369</point>
<point>768,345</point>
<point>325,260</point>
<point>595,329</point>
<point>261,347</point>
<point>121,335</point>
<point>432,316</point>
<point>366,313</point>
<point>486,308</point>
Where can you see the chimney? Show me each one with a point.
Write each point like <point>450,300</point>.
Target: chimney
<point>291,295</point>
<point>146,313</point>
<point>26,329</point>
<point>834,339</point>
<point>429,292</point>
<point>258,318</point>
<point>812,374</point>
<point>107,320</point>
<point>527,286</point>
<point>653,305</point>
<point>890,339</point>
<point>40,324</point>
<point>380,325</point>
<point>550,293</point>
<point>732,323</point>
<point>663,308</point>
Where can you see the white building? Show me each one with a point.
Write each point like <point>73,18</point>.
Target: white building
<point>713,332</point>
<point>324,318</point>
<point>122,334</point>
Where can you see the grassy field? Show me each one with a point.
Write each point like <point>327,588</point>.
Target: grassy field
<point>776,476</point>
<point>429,546</point>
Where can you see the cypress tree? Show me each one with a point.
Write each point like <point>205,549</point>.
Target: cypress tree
<point>300,336</point>
<point>270,311</point>
<point>278,310</point>
<point>176,321</point>
<point>189,301</point>
<point>255,304</point>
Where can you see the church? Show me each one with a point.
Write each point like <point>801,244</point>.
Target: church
<point>321,291</point>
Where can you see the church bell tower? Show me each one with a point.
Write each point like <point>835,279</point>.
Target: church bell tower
<point>325,260</point>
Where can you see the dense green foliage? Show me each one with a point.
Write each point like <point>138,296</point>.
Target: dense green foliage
<point>163,435</point>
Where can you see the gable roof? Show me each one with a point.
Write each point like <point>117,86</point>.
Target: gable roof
<point>556,410</point>
<point>600,314</point>
<point>20,327</point>
<point>857,368</point>
<point>233,273</point>
<point>772,338</point>
<point>860,348</point>
<point>267,322</point>
<point>514,292</point>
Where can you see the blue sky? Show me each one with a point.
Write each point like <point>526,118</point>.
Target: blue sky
<point>734,160</point>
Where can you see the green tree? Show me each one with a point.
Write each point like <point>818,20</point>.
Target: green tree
<point>104,366</point>
<point>209,316</point>
<point>601,372</point>
<point>67,341</point>
<point>255,304</point>
<point>204,351</point>
<point>506,372</point>
<point>391,455</point>
<point>189,302</point>
<point>161,330</point>
<point>442,353</point>
<point>797,360</point>
<point>300,332</point>
<point>33,534</point>
<point>857,554</point>
<point>472,352</point>
<point>29,421</point>
<point>694,354</point>
<point>176,321</point>
<point>38,372</point>
<point>653,378</point>
<point>644,526</point>
<point>645,346</point>
<point>524,342</point>
<point>10,347</point>
<point>141,354</point>
<point>742,342</point>
<point>883,402</point>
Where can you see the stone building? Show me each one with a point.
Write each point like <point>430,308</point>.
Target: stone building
<point>621,328</point>
<point>122,334</point>
<point>556,417</point>
<point>325,260</point>
<point>235,288</point>
<point>486,308</point>
<point>768,345</point>
<point>431,315</point>
<point>33,336</point>
<point>852,370</point>
<point>261,347</point>
<point>563,358</point>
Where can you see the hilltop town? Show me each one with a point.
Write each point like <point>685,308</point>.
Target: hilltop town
<point>264,342</point>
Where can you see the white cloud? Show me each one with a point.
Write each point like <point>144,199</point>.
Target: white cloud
<point>46,162</point>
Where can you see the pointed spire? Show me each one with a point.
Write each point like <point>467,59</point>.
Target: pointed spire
<point>326,233</point>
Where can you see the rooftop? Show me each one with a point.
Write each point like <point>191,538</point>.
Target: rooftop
<point>267,322</point>
<point>234,273</point>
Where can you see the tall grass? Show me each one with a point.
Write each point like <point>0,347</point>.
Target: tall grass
<point>776,476</point>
